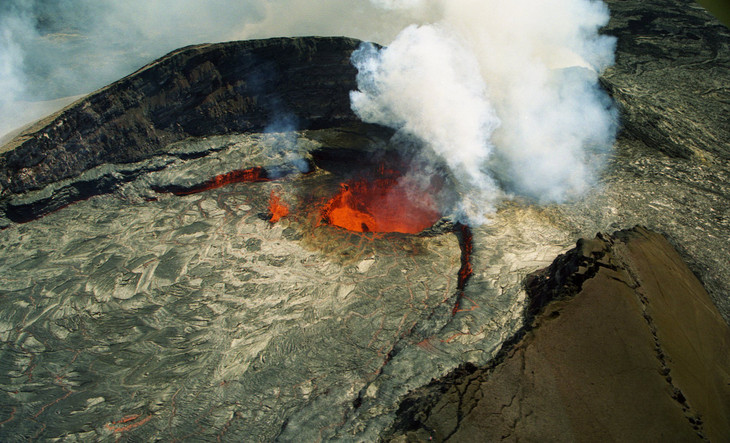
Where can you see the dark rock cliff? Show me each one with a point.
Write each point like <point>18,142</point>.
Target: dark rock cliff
<point>669,81</point>
<point>284,83</point>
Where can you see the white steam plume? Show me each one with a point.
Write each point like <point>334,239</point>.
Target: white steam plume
<point>428,85</point>
<point>505,92</point>
<point>502,91</point>
<point>398,4</point>
<point>12,85</point>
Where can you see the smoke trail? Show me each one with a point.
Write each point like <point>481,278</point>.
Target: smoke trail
<point>53,49</point>
<point>503,92</point>
<point>398,4</point>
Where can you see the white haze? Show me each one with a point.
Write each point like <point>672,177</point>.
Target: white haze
<point>506,93</point>
<point>428,85</point>
<point>503,92</point>
<point>51,49</point>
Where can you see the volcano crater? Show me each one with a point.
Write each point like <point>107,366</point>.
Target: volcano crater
<point>128,308</point>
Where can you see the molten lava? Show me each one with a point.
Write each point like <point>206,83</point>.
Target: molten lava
<point>255,174</point>
<point>277,208</point>
<point>466,270</point>
<point>383,204</point>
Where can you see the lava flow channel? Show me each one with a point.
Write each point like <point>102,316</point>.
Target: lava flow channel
<point>466,270</point>
<point>255,174</point>
<point>382,204</point>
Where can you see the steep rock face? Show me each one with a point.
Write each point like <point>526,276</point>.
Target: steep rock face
<point>640,353</point>
<point>199,90</point>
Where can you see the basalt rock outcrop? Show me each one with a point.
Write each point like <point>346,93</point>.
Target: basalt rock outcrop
<point>672,57</point>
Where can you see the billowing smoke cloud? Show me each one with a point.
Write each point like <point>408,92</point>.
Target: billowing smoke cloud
<point>503,92</point>
<point>427,84</point>
<point>12,85</point>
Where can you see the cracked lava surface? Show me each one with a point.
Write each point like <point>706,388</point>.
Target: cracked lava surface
<point>144,315</point>
<point>229,312</point>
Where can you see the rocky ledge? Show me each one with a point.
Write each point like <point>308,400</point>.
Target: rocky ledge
<point>209,89</point>
<point>625,345</point>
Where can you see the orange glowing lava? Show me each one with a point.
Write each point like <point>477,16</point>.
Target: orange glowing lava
<point>466,270</point>
<point>380,205</point>
<point>255,174</point>
<point>277,208</point>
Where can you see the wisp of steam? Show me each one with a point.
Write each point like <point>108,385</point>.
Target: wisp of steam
<point>505,93</point>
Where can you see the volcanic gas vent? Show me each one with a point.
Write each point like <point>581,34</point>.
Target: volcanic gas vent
<point>387,201</point>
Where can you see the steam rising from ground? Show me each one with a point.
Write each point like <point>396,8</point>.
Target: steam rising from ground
<point>504,93</point>
<point>427,84</point>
